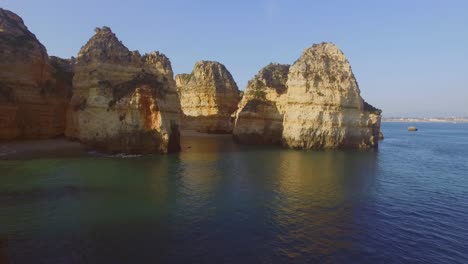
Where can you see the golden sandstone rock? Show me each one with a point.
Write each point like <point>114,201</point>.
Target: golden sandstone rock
<point>314,104</point>
<point>259,119</point>
<point>208,97</point>
<point>324,106</point>
<point>123,102</point>
<point>32,101</point>
<point>120,101</point>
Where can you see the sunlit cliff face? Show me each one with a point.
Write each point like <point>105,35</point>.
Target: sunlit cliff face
<point>208,96</point>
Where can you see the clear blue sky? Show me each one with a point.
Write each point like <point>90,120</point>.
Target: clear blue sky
<point>410,57</point>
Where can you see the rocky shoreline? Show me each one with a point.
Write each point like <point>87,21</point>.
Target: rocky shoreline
<point>41,148</point>
<point>117,100</point>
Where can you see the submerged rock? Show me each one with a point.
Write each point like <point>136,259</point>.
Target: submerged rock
<point>33,99</point>
<point>259,119</point>
<point>122,101</point>
<point>208,97</point>
<point>381,135</point>
<point>324,107</point>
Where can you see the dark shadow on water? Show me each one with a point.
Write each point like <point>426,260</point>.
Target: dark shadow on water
<point>4,251</point>
<point>50,193</point>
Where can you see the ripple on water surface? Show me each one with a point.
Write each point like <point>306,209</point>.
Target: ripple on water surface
<point>217,201</point>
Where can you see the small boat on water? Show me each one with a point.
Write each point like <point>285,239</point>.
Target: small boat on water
<point>412,128</point>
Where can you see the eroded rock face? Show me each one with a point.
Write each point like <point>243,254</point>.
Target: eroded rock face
<point>324,107</point>
<point>63,73</point>
<point>259,119</point>
<point>208,96</point>
<point>122,101</point>
<point>32,101</point>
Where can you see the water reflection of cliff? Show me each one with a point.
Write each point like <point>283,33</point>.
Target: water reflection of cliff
<point>302,201</point>
<point>316,197</point>
<point>199,173</point>
<point>250,202</point>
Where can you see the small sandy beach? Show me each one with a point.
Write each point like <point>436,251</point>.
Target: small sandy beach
<point>46,148</point>
<point>61,147</point>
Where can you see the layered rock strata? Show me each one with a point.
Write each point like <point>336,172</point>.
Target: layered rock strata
<point>32,98</point>
<point>125,102</point>
<point>208,97</point>
<point>324,106</point>
<point>259,119</point>
<point>122,101</point>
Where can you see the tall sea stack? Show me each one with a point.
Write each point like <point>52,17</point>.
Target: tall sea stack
<point>33,95</point>
<point>209,97</point>
<point>324,106</point>
<point>259,119</point>
<point>122,101</point>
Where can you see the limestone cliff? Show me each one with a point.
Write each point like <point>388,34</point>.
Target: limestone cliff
<point>122,101</point>
<point>259,119</point>
<point>63,73</point>
<point>208,96</point>
<point>324,107</point>
<point>32,101</point>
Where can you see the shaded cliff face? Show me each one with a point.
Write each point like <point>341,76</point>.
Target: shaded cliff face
<point>63,74</point>
<point>259,119</point>
<point>122,101</point>
<point>208,96</point>
<point>32,103</point>
<point>324,107</point>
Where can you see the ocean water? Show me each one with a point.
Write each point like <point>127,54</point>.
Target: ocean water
<point>217,202</point>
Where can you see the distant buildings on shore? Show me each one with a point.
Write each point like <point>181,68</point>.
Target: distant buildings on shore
<point>426,119</point>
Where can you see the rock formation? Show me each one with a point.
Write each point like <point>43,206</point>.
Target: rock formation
<point>324,107</point>
<point>208,97</point>
<point>259,119</point>
<point>33,98</point>
<point>64,71</point>
<point>122,101</point>
<point>381,136</point>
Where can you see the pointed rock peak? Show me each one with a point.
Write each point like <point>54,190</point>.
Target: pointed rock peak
<point>156,57</point>
<point>13,25</point>
<point>274,71</point>
<point>8,18</point>
<point>209,66</point>
<point>16,38</point>
<point>213,68</point>
<point>326,58</point>
<point>274,66</point>
<point>208,63</point>
<point>105,38</point>
<point>104,46</point>
<point>272,76</point>
<point>213,71</point>
<point>159,61</point>
<point>105,34</point>
<point>324,48</point>
<point>104,30</point>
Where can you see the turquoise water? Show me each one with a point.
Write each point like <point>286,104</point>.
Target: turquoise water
<point>224,203</point>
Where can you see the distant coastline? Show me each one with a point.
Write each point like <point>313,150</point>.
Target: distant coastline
<point>426,119</point>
